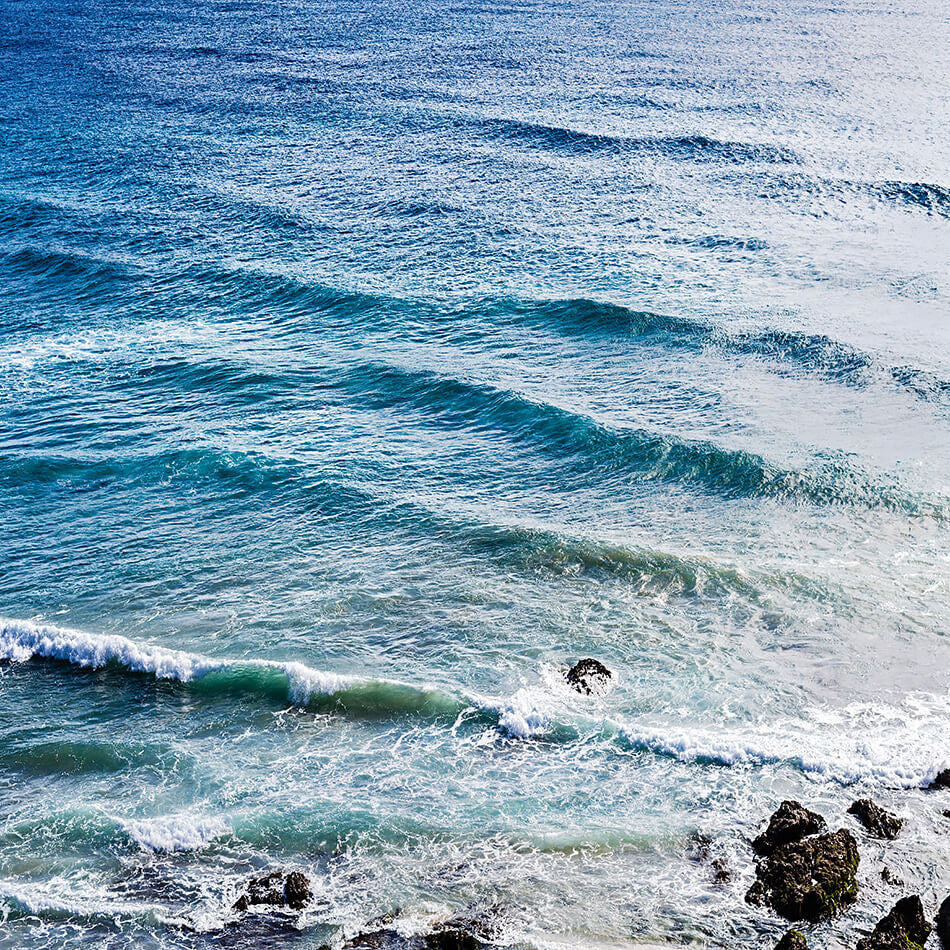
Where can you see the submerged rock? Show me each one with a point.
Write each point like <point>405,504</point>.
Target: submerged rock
<point>471,930</point>
<point>810,879</point>
<point>589,676</point>
<point>793,940</point>
<point>275,890</point>
<point>943,923</point>
<point>904,928</point>
<point>791,822</point>
<point>889,877</point>
<point>877,821</point>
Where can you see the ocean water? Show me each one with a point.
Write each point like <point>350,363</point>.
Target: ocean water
<point>364,364</point>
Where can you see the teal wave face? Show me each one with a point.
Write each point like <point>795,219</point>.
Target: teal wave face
<point>364,366</point>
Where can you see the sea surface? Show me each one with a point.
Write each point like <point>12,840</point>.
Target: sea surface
<point>365,363</point>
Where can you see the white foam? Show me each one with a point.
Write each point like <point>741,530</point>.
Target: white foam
<point>896,746</point>
<point>20,640</point>
<point>174,832</point>
<point>524,714</point>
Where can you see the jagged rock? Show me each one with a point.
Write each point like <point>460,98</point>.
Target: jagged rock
<point>943,923</point>
<point>904,928</point>
<point>589,676</point>
<point>889,877</point>
<point>942,779</point>
<point>791,822</point>
<point>809,879</point>
<point>275,890</point>
<point>793,940</point>
<point>877,821</point>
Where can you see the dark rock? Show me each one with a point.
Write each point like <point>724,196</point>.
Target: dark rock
<point>904,928</point>
<point>946,813</point>
<point>889,877</point>
<point>471,930</point>
<point>810,879</point>
<point>877,821</point>
<point>588,676</point>
<point>275,890</point>
<point>793,940</point>
<point>721,873</point>
<point>942,779</point>
<point>943,923</point>
<point>451,939</point>
<point>375,940</point>
<point>791,822</point>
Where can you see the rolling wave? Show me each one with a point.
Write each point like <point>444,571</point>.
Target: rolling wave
<point>906,750</point>
<point>285,297</point>
<point>636,454</point>
<point>695,147</point>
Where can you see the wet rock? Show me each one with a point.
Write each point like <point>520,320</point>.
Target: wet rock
<point>889,877</point>
<point>942,779</point>
<point>721,873</point>
<point>793,940</point>
<point>589,676</point>
<point>904,928</point>
<point>810,879</point>
<point>791,822</point>
<point>943,923</point>
<point>877,821</point>
<point>275,890</point>
<point>471,930</point>
<point>698,847</point>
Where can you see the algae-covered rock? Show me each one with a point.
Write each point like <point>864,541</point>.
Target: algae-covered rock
<point>810,879</point>
<point>904,928</point>
<point>877,821</point>
<point>791,822</point>
<point>793,940</point>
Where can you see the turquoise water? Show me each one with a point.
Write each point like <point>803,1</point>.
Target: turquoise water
<point>365,365</point>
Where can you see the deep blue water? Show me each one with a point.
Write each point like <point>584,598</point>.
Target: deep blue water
<point>366,364</point>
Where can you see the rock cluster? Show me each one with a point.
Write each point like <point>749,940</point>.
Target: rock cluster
<point>801,876</point>
<point>877,821</point>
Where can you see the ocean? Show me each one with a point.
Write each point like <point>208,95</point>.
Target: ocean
<point>367,364</point>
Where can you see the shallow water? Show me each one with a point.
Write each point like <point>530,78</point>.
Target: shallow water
<point>364,365</point>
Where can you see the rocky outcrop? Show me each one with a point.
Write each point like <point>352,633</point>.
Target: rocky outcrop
<point>943,923</point>
<point>791,822</point>
<point>275,890</point>
<point>793,940</point>
<point>809,879</point>
<point>904,928</point>
<point>877,821</point>
<point>589,676</point>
